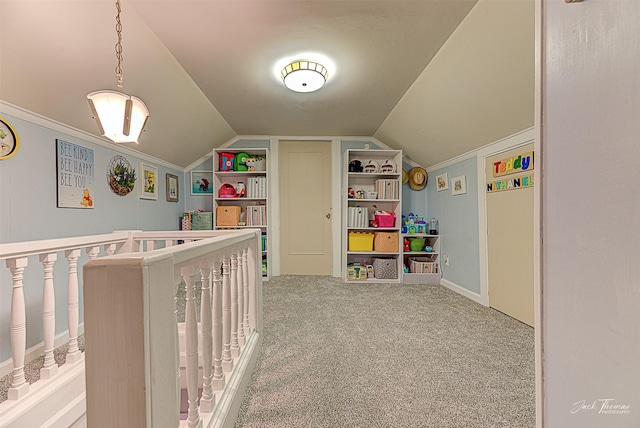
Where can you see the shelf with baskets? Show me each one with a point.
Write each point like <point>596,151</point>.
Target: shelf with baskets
<point>241,193</point>
<point>421,258</point>
<point>372,202</point>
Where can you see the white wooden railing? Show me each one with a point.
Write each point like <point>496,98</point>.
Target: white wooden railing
<point>137,355</point>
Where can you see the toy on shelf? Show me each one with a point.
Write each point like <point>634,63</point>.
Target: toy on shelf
<point>241,162</point>
<point>405,244</point>
<point>227,191</point>
<point>227,161</point>
<point>413,224</point>
<point>251,164</point>
<point>388,166</point>
<point>371,166</point>
<point>355,166</point>
<point>241,192</point>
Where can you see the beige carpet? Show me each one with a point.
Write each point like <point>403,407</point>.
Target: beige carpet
<point>387,355</point>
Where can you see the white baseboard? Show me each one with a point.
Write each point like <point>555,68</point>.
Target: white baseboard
<point>37,350</point>
<point>461,290</point>
<point>58,402</point>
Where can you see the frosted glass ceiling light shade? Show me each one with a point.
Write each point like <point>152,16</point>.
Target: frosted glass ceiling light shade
<point>304,76</point>
<point>120,117</point>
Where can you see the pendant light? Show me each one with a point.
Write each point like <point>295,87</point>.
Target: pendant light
<point>120,117</point>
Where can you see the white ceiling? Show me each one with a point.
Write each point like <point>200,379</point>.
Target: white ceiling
<point>205,69</point>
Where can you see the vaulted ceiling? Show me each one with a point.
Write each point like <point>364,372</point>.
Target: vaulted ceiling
<point>435,78</point>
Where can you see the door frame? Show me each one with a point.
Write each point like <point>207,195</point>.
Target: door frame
<point>274,201</point>
<point>511,142</point>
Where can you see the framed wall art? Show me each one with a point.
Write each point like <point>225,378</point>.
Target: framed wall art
<point>172,188</point>
<point>442,182</point>
<point>459,185</point>
<point>148,181</point>
<point>202,182</point>
<point>74,175</point>
<point>9,141</point>
<point>121,176</point>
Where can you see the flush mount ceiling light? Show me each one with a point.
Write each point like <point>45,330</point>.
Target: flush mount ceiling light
<point>304,76</point>
<point>120,117</point>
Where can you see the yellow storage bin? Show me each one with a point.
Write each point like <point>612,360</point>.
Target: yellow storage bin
<point>360,241</point>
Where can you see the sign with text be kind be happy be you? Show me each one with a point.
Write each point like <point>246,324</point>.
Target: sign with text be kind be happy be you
<point>74,168</point>
<point>514,165</point>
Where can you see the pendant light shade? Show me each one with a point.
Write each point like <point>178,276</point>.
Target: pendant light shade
<point>120,117</point>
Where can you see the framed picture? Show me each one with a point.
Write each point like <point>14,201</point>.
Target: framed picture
<point>172,188</point>
<point>202,182</point>
<point>74,175</point>
<point>148,181</point>
<point>442,182</point>
<point>459,185</point>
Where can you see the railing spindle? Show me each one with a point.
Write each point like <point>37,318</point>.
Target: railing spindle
<point>50,368</point>
<point>191,340</point>
<point>73,355</point>
<point>241,279</point>
<point>110,249</point>
<point>216,283</point>
<point>235,347</point>
<point>227,361</point>
<point>206,325</point>
<point>253,260</point>
<point>245,273</point>
<point>19,386</point>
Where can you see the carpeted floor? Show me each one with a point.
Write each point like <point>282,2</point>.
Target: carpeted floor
<point>387,355</point>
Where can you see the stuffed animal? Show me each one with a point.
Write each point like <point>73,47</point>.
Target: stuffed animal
<point>251,164</point>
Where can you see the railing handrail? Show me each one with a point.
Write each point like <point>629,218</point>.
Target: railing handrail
<point>228,264</point>
<point>192,250</point>
<point>29,248</point>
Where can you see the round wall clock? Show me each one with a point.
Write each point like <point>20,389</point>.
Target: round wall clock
<point>9,141</point>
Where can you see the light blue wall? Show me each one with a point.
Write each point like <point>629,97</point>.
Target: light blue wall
<point>28,201</point>
<point>458,223</point>
<point>28,212</point>
<point>251,144</point>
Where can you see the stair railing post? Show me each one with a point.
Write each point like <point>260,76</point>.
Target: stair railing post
<point>19,386</point>
<point>50,368</point>
<point>73,355</point>
<point>207,400</point>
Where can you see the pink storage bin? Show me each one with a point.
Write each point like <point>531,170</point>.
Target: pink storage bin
<point>386,220</point>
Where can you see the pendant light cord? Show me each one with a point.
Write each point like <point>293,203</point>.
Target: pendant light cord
<point>119,46</point>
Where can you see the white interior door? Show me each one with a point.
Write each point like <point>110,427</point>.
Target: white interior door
<point>510,243</point>
<point>305,207</point>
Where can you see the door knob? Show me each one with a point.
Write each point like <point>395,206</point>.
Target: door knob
<point>328,215</point>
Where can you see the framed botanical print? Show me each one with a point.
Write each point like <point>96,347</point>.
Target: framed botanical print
<point>172,188</point>
<point>148,181</point>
